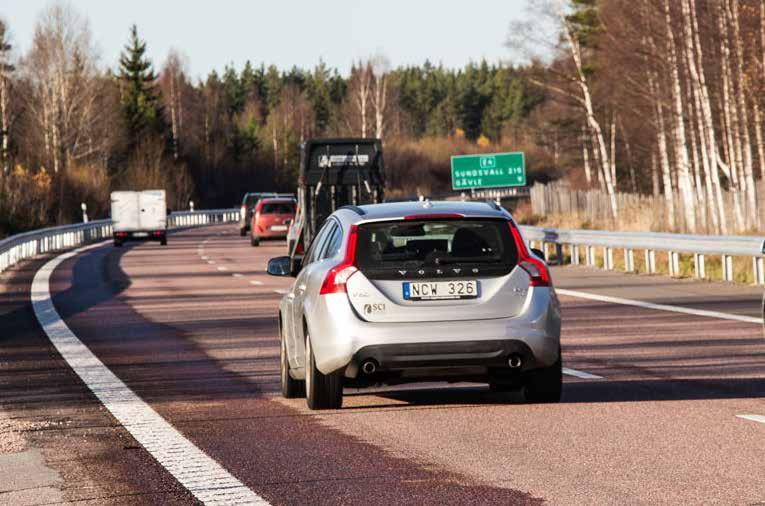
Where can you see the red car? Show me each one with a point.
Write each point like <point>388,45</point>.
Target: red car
<point>271,219</point>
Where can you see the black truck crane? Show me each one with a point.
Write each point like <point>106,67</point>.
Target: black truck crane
<point>333,173</point>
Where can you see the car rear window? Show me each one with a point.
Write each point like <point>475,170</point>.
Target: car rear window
<point>455,248</point>
<point>277,208</point>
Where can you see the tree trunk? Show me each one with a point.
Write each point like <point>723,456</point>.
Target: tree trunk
<point>5,128</point>
<point>681,143</point>
<point>747,176</point>
<point>586,157</point>
<point>591,119</point>
<point>708,135</point>
<point>729,120</point>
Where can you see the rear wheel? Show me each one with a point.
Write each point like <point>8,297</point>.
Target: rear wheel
<point>322,391</point>
<point>545,385</point>
<point>163,241</point>
<point>242,232</point>
<point>117,243</point>
<point>254,241</point>
<point>291,388</point>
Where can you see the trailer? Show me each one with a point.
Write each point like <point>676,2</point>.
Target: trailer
<point>333,173</point>
<point>139,215</point>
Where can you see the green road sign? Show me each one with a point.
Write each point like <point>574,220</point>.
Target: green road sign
<point>488,171</point>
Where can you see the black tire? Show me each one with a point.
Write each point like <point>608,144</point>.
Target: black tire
<point>163,241</point>
<point>242,232</point>
<point>291,388</point>
<point>499,387</point>
<point>322,391</point>
<point>117,243</point>
<point>254,241</point>
<point>545,385</point>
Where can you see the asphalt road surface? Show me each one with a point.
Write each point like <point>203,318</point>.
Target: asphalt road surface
<point>659,406</point>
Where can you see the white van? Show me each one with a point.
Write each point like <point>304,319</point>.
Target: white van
<point>139,216</point>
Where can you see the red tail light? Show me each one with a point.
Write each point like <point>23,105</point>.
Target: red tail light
<point>536,268</point>
<point>338,275</point>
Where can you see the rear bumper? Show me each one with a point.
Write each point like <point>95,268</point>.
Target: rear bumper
<point>440,358</point>
<point>270,234</point>
<point>342,340</point>
<point>154,235</point>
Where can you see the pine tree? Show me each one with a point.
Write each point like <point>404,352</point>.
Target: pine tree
<point>140,96</point>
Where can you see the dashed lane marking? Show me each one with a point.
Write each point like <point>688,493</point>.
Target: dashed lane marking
<point>660,307</point>
<point>237,275</point>
<point>256,282</point>
<point>280,291</point>
<point>211,262</point>
<point>207,480</point>
<point>205,257</point>
<point>753,418</point>
<point>221,268</point>
<point>581,374</point>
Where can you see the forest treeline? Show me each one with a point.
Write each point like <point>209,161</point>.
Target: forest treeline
<point>660,97</point>
<point>74,129</point>
<point>664,97</point>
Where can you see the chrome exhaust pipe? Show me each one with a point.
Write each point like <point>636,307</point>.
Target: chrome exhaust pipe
<point>368,367</point>
<point>515,361</point>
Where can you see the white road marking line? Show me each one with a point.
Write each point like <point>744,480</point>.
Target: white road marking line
<point>221,268</point>
<point>660,307</point>
<point>206,479</point>
<point>753,418</point>
<point>256,283</point>
<point>280,291</point>
<point>211,262</point>
<point>581,374</point>
<point>205,257</point>
<point>237,275</point>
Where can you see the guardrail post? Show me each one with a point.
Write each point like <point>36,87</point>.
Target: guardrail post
<point>758,265</point>
<point>574,254</point>
<point>650,261</point>
<point>544,250</point>
<point>727,267</point>
<point>608,258</point>
<point>674,263</point>
<point>558,254</point>
<point>699,266</point>
<point>629,260</point>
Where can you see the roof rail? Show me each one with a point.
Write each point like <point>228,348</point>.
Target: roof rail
<point>355,209</point>
<point>493,205</point>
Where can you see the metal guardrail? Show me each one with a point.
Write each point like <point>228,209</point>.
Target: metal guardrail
<point>30,244</point>
<point>205,217</point>
<point>27,245</point>
<point>589,241</point>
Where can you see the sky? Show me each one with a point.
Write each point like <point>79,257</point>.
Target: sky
<point>213,33</point>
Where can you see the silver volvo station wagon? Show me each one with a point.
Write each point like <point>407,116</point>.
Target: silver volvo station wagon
<point>418,291</point>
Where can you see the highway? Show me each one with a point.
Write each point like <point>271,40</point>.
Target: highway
<point>659,406</point>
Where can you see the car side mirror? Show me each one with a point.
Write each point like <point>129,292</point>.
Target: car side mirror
<point>539,253</point>
<point>279,266</point>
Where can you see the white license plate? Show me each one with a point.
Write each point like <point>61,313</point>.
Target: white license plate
<point>278,228</point>
<point>141,234</point>
<point>440,290</point>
